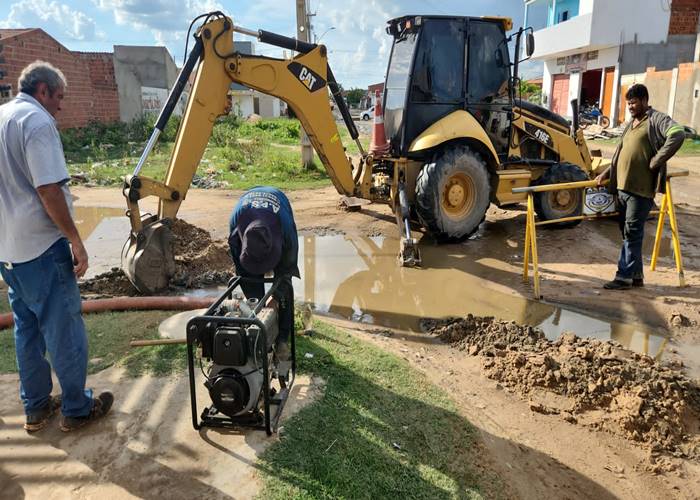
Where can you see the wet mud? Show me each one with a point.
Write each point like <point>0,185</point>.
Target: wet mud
<point>590,382</point>
<point>358,278</point>
<point>200,262</point>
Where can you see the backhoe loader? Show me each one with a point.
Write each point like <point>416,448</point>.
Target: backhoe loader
<point>460,138</point>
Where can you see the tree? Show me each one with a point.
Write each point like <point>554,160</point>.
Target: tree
<point>353,96</point>
<point>530,92</point>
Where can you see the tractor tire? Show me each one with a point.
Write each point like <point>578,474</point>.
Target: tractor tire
<point>453,193</point>
<point>560,204</point>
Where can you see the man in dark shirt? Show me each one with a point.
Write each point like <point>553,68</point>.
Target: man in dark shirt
<point>637,173</point>
<point>263,238</point>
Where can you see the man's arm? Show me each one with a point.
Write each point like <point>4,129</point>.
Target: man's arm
<point>675,135</point>
<point>54,202</point>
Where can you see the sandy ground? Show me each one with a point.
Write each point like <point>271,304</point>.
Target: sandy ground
<point>539,456</point>
<point>145,448</point>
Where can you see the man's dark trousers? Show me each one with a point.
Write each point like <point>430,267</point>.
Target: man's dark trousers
<point>634,211</point>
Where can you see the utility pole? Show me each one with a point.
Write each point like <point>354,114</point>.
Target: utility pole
<point>307,151</point>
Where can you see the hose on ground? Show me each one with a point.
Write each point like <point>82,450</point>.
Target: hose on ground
<point>132,304</point>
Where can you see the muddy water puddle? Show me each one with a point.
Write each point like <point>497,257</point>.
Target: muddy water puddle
<point>104,232</point>
<point>359,279</point>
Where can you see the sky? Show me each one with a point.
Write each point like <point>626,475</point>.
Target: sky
<point>353,30</point>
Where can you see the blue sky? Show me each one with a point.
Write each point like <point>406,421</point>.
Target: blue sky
<point>358,45</point>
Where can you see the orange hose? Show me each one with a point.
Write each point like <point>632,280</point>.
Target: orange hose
<point>132,304</point>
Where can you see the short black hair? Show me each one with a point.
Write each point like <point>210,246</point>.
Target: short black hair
<point>638,91</point>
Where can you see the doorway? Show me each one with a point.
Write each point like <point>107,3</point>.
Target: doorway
<point>590,87</point>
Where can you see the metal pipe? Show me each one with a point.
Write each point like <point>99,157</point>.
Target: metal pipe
<point>147,150</point>
<point>246,31</point>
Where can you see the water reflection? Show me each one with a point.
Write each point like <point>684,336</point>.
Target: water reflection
<point>358,278</point>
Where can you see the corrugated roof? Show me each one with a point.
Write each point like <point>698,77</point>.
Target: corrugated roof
<point>9,33</point>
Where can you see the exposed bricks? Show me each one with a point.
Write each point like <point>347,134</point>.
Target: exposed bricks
<point>92,89</point>
<point>684,17</point>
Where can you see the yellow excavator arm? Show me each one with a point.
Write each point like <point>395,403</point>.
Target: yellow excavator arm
<point>303,82</point>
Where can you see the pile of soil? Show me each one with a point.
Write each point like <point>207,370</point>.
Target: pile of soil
<point>588,381</point>
<point>199,262</point>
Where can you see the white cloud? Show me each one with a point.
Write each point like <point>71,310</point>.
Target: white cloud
<point>60,20</point>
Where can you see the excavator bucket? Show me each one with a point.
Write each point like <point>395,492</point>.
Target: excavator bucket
<point>148,259</point>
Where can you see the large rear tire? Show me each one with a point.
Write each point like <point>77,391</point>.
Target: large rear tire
<point>564,203</point>
<point>453,193</point>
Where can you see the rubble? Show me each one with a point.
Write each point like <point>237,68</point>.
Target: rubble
<point>600,384</point>
<point>597,132</point>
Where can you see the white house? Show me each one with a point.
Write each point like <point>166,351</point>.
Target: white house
<point>586,45</point>
<point>245,101</point>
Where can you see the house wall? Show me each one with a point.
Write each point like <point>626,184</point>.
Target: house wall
<point>138,67</point>
<point>659,85</point>
<point>637,57</point>
<point>91,94</point>
<point>242,103</point>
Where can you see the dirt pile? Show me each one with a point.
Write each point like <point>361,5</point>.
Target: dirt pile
<point>199,262</point>
<point>588,381</point>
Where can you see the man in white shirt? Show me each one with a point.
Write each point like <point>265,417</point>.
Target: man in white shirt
<point>42,255</point>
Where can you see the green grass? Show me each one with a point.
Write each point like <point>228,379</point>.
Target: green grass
<point>109,335</point>
<point>380,430</point>
<point>690,147</point>
<point>239,153</point>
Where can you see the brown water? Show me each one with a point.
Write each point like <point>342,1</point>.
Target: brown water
<point>87,219</point>
<point>359,279</point>
<point>104,232</point>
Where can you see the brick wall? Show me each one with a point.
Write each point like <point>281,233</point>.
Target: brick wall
<point>92,90</point>
<point>684,17</point>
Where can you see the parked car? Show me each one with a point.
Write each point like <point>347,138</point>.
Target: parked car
<point>367,114</point>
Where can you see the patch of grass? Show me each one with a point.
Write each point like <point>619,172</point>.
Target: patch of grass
<point>109,335</point>
<point>240,153</point>
<point>380,430</point>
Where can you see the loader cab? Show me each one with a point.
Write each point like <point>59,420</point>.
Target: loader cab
<point>441,64</point>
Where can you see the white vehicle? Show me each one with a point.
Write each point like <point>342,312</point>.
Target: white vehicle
<point>367,114</point>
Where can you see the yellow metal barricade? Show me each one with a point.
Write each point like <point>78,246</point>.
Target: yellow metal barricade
<point>530,250</point>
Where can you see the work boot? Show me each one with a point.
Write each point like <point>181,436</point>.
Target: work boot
<point>100,407</point>
<point>38,420</point>
<point>618,284</point>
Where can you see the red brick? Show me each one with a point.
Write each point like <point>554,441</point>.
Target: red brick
<point>92,89</point>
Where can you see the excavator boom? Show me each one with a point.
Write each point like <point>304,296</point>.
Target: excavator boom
<point>303,82</point>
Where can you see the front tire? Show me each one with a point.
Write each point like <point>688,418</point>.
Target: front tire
<point>453,193</point>
<point>604,121</point>
<point>564,203</point>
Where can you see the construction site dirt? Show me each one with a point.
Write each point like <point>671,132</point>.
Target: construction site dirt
<point>349,272</point>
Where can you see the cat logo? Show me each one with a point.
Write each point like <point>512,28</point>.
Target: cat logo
<point>311,80</point>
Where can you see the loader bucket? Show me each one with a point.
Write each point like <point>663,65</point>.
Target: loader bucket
<point>148,260</point>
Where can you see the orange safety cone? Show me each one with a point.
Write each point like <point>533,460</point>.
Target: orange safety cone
<point>379,146</point>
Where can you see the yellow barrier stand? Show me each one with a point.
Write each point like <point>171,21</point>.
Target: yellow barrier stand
<point>668,208</point>
<point>531,225</point>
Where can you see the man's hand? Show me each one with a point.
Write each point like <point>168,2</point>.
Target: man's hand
<point>80,258</point>
<point>54,202</point>
<point>600,179</point>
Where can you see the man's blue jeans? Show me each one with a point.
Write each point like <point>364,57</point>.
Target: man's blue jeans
<point>634,211</point>
<point>45,303</point>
